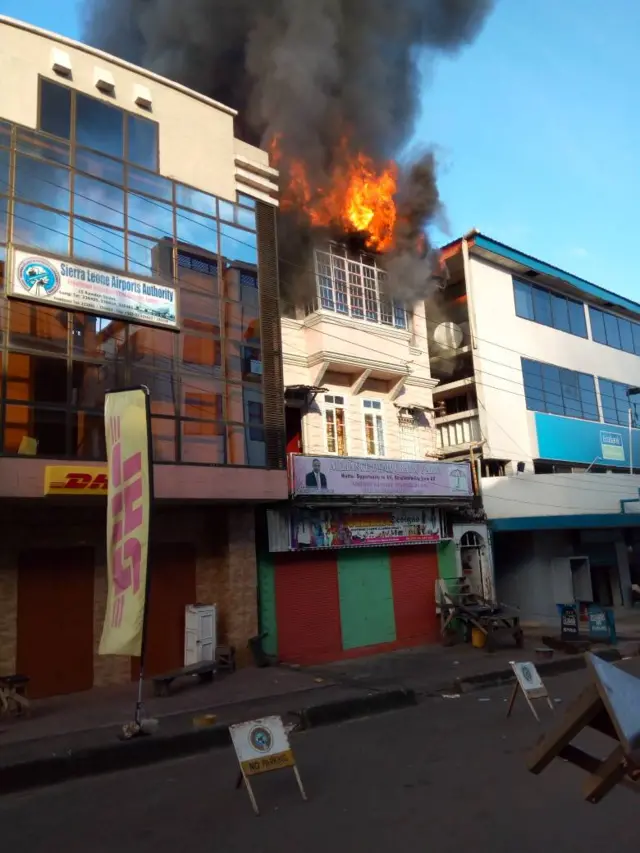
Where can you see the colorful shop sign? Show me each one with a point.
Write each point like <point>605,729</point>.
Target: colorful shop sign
<point>82,288</point>
<point>75,480</point>
<point>337,528</point>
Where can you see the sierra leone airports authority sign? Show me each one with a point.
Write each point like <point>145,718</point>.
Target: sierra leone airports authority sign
<point>83,288</point>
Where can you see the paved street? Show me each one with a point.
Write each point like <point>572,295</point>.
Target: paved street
<point>447,773</point>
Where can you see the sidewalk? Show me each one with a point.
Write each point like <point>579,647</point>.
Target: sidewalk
<point>78,735</point>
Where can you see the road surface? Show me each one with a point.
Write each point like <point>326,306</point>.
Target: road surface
<point>448,775</point>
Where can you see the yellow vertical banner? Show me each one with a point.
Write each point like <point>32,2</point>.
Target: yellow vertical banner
<point>130,478</point>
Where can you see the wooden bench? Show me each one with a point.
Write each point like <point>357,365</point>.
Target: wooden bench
<point>204,671</point>
<point>12,693</point>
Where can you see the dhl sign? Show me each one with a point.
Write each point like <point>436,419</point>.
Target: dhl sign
<point>75,480</point>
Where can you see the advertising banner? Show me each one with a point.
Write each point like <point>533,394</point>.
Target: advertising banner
<point>129,499</point>
<point>75,480</point>
<point>331,475</point>
<point>342,528</point>
<point>82,288</point>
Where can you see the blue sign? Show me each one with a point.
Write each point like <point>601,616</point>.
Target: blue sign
<point>36,275</point>
<point>586,442</point>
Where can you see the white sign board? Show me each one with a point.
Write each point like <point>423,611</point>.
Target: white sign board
<point>529,682</point>
<point>261,746</point>
<point>82,288</point>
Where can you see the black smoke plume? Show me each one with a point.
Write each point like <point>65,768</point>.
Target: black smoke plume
<point>308,72</point>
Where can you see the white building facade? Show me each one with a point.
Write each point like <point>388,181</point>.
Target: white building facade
<point>535,367</point>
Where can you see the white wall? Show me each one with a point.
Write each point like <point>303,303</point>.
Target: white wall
<point>196,135</point>
<point>530,495</point>
<point>501,339</point>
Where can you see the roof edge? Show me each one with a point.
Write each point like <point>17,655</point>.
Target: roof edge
<point>129,66</point>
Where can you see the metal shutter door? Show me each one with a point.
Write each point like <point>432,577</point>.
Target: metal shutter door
<point>414,571</point>
<point>308,608</point>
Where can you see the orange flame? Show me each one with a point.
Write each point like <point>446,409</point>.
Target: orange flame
<point>360,197</point>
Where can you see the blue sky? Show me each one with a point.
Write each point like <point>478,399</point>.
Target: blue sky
<point>535,126</point>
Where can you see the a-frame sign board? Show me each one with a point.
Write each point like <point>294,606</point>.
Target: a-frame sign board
<point>611,706</point>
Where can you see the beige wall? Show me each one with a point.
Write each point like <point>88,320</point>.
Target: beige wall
<point>353,346</point>
<point>197,144</point>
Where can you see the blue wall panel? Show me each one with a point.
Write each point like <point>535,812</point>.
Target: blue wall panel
<point>572,440</point>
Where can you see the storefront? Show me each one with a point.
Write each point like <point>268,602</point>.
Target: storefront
<point>53,582</point>
<point>352,571</point>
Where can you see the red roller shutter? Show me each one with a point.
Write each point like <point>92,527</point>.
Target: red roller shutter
<point>308,608</point>
<point>414,571</point>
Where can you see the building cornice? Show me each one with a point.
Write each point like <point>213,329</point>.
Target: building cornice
<point>350,323</point>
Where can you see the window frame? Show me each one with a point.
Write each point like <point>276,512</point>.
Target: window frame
<point>525,291</point>
<point>329,404</point>
<point>374,408</point>
<point>556,389</point>
<point>598,317</point>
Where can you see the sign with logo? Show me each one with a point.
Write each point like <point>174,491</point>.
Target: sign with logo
<point>82,288</point>
<point>529,682</point>
<point>75,480</point>
<point>262,746</point>
<point>127,426</point>
<point>569,625</point>
<point>344,528</point>
<point>331,475</point>
<point>611,445</point>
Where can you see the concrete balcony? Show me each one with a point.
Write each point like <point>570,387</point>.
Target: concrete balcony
<point>456,433</point>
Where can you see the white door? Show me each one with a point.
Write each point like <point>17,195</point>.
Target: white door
<point>473,549</point>
<point>200,633</point>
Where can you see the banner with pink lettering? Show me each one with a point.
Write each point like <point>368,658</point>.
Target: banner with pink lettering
<point>130,492</point>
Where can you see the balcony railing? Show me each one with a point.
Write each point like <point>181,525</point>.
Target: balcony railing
<point>457,432</point>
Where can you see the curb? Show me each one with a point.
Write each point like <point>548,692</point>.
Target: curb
<point>125,755</point>
<point>550,668</point>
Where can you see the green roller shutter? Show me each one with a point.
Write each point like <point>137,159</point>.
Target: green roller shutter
<point>366,598</point>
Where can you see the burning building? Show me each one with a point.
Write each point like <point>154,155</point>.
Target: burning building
<point>330,88</point>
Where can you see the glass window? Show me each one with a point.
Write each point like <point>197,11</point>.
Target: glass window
<point>163,431</point>
<point>626,335</point>
<point>99,126</point>
<point>246,218</point>
<point>38,145</point>
<point>541,306</point>
<point>142,142</point>
<point>193,229</point>
<point>560,313</point>
<point>588,397</point>
<point>98,244</point>
<point>47,426</point>
<point>40,229</point>
<point>226,210</point>
<point>98,337</point>
<point>238,245</point>
<point>524,300</point>
<point>612,330</point>
<point>200,313</point>
<point>635,329</point>
<point>94,199</point>
<point>38,327</point>
<point>197,272</point>
<point>37,379</point>
<point>559,391</point>
<point>615,403</point>
<point>4,203</point>
<point>373,427</point>
<point>203,443</point>
<point>246,200</point>
<point>162,388</point>
<point>202,397</point>
<point>90,382</point>
<point>145,257</point>
<point>42,183</point>
<point>4,170</point>
<point>598,332</point>
<point>196,200</point>
<point>99,166</point>
<point>335,424</point>
<point>200,352</point>
<point>5,133</point>
<point>151,348</point>
<point>146,182</point>
<point>88,436</point>
<point>577,322</point>
<point>149,216</point>
<point>55,109</point>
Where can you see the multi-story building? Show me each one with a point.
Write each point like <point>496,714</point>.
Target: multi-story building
<point>538,372</point>
<point>137,246</point>
<point>352,560</point>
